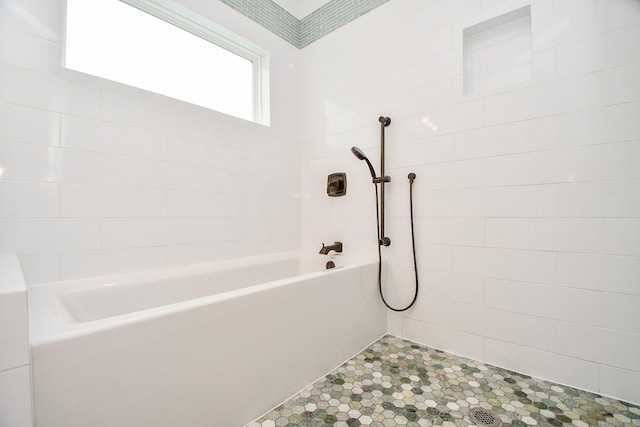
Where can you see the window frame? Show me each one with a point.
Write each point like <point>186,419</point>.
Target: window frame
<point>186,19</point>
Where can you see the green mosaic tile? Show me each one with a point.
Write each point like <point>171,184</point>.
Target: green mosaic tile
<point>395,382</point>
<point>316,25</point>
<point>271,16</point>
<point>332,16</point>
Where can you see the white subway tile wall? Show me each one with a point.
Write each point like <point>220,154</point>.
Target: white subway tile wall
<point>99,178</point>
<point>15,372</point>
<point>527,198</point>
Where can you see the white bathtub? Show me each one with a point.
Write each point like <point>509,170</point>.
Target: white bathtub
<point>211,345</point>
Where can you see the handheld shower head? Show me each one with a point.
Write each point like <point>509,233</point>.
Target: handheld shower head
<point>360,155</point>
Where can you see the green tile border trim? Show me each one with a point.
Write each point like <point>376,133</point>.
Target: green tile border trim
<point>271,16</point>
<point>332,16</point>
<point>301,33</point>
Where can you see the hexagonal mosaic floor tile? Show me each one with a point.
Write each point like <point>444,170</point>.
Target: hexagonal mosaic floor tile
<point>395,382</point>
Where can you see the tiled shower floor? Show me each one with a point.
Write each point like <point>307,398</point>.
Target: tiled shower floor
<point>396,382</point>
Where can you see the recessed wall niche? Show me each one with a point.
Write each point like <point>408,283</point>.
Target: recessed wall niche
<point>497,52</point>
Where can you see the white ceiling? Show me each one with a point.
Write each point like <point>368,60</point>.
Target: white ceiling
<point>301,8</point>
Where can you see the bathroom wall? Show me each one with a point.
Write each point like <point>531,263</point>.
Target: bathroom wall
<point>15,365</point>
<point>527,197</point>
<point>99,178</point>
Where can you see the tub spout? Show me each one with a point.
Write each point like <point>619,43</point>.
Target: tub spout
<point>337,246</point>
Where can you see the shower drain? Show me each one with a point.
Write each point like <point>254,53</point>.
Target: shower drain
<point>485,417</point>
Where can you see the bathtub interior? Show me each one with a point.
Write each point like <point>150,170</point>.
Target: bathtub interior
<point>60,307</point>
<point>118,296</point>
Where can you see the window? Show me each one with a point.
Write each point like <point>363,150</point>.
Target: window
<point>167,50</point>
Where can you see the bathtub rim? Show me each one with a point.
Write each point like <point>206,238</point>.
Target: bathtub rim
<point>49,321</point>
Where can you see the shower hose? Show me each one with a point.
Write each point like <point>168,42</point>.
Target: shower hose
<point>411,177</point>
